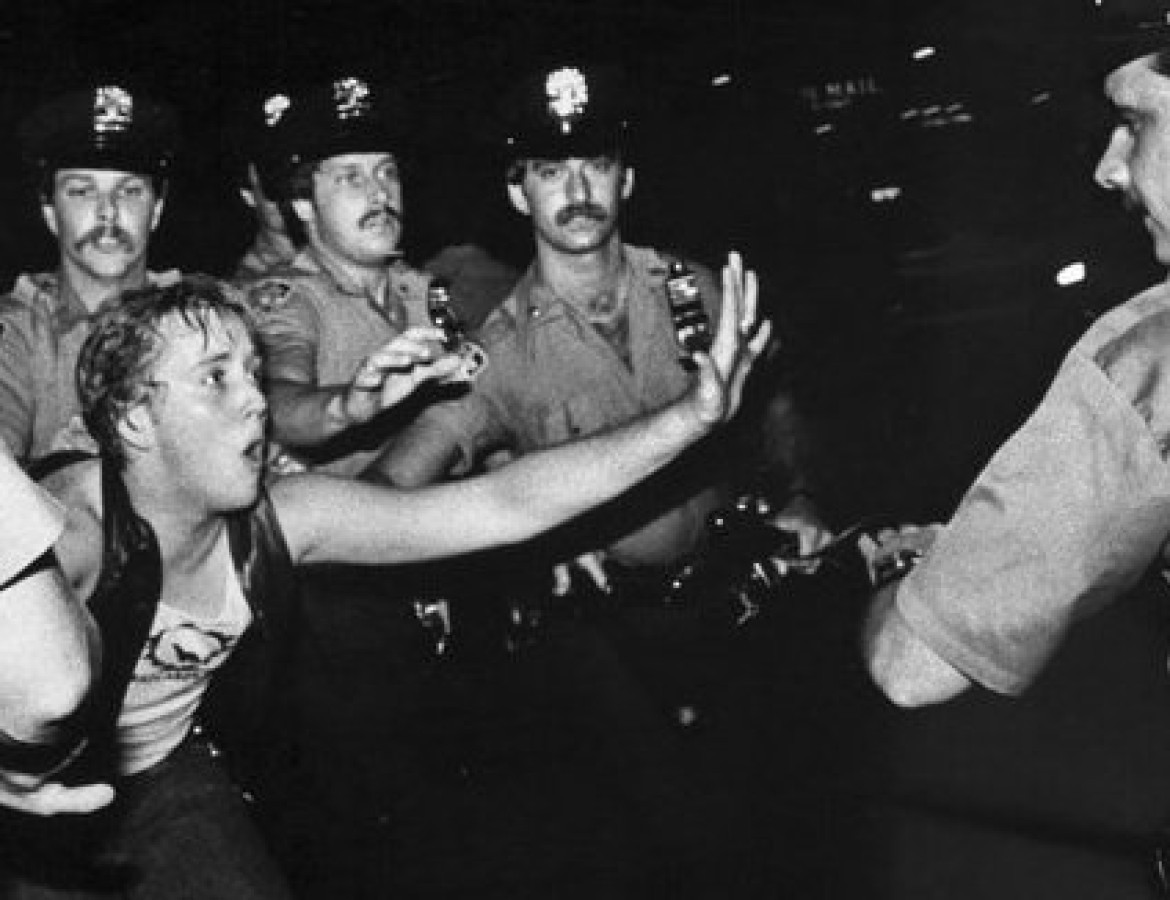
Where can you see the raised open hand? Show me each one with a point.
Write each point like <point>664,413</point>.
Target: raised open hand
<point>739,340</point>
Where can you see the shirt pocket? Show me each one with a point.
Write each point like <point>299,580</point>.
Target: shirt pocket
<point>567,420</point>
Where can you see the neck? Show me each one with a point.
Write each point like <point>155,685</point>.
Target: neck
<point>186,533</point>
<point>370,279</point>
<point>579,277</point>
<point>93,290</point>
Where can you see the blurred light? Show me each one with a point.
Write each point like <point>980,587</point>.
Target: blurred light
<point>923,53</point>
<point>823,128</point>
<point>885,194</point>
<point>1073,273</point>
<point>908,114</point>
<point>1041,97</point>
<point>723,78</point>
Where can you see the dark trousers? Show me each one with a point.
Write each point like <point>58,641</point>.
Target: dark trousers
<point>180,830</point>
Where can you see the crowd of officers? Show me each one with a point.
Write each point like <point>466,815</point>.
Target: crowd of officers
<point>377,371</point>
<point>331,413</point>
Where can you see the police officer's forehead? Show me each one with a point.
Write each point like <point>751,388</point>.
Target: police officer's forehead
<point>99,174</point>
<point>533,161</point>
<point>370,159</point>
<point>1137,82</point>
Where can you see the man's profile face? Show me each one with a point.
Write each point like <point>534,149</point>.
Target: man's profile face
<point>356,209</point>
<point>574,203</point>
<point>1136,160</point>
<point>206,415</point>
<point>103,220</point>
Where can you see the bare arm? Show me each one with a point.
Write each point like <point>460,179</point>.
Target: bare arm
<point>901,664</point>
<point>49,659</point>
<point>906,670</point>
<point>327,519</point>
<point>420,454</point>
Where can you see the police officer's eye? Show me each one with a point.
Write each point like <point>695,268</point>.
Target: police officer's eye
<point>133,190</point>
<point>602,163</point>
<point>548,170</point>
<point>215,377</point>
<point>79,191</point>
<point>349,178</point>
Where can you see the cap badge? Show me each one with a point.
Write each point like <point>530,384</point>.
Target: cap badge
<point>274,109</point>
<point>113,109</point>
<point>352,98</point>
<point>568,95</point>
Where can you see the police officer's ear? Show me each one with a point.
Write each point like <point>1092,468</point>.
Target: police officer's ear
<point>49,214</point>
<point>627,182</point>
<point>159,202</point>
<point>304,209</point>
<point>517,196</point>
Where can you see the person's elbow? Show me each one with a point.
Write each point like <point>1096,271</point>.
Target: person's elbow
<point>901,665</point>
<point>911,688</point>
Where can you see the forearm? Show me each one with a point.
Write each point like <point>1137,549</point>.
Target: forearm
<point>546,488</point>
<point>49,659</point>
<point>906,670</point>
<point>304,415</point>
<point>421,454</point>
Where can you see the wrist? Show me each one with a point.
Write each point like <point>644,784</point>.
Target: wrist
<point>336,417</point>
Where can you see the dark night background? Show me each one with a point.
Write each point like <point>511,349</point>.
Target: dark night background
<point>919,332</point>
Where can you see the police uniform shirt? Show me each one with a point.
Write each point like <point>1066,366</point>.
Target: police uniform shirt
<point>42,327</point>
<point>554,377</point>
<point>318,328</point>
<point>1067,515</point>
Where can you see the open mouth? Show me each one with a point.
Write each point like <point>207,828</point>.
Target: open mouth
<point>255,451</point>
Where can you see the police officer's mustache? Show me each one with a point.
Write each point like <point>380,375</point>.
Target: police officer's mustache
<point>103,233</point>
<point>378,212</point>
<point>580,210</point>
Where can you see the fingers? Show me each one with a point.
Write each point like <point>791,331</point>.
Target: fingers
<point>53,798</point>
<point>416,348</point>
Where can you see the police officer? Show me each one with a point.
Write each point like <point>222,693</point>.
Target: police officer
<point>100,160</point>
<point>254,155</point>
<point>342,324</point>
<point>338,320</point>
<point>586,339</point>
<point>584,342</point>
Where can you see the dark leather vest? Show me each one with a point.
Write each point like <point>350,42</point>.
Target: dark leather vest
<point>250,706</point>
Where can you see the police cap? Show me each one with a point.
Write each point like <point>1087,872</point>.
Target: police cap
<point>1129,29</point>
<point>567,111</point>
<point>348,115</point>
<point>102,127</point>
<point>253,137</point>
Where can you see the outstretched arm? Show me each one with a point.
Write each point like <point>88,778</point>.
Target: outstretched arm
<point>335,520</point>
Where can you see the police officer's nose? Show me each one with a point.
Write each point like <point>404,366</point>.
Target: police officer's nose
<point>1112,173</point>
<point>107,209</point>
<point>577,187</point>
